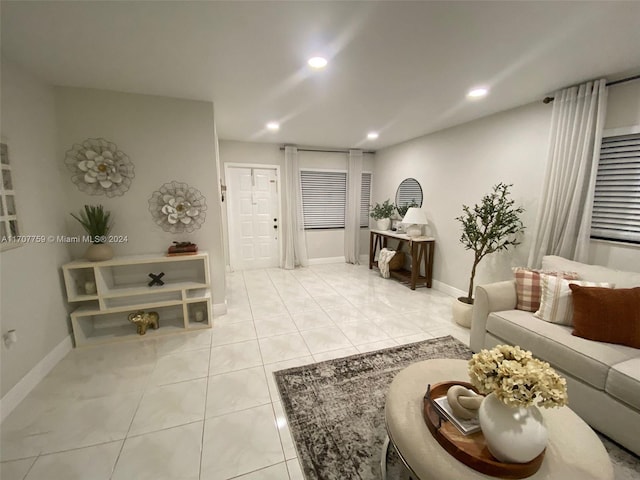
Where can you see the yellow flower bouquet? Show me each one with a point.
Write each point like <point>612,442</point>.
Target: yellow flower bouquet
<point>516,378</point>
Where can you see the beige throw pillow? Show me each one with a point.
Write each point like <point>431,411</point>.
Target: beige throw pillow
<point>555,301</point>
<point>528,286</point>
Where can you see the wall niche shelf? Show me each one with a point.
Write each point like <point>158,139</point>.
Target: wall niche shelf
<point>107,292</point>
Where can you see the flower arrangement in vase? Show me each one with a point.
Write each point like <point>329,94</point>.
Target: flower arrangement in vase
<point>515,382</point>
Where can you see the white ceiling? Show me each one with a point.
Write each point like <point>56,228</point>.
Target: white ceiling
<point>401,68</point>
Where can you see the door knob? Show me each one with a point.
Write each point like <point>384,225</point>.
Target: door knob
<point>275,227</point>
<point>275,219</point>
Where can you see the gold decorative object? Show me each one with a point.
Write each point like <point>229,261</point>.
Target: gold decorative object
<point>144,320</point>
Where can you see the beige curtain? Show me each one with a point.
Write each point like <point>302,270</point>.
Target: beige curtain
<point>294,245</point>
<point>564,217</point>
<point>352,214</point>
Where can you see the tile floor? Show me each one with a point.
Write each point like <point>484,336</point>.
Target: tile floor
<point>203,405</point>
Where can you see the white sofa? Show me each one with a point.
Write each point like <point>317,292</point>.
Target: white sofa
<point>603,378</point>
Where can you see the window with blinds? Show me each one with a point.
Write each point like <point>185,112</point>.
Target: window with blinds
<point>365,200</point>
<point>324,199</point>
<point>616,206</point>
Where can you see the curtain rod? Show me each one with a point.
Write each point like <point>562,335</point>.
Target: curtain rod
<point>615,82</point>
<point>337,150</point>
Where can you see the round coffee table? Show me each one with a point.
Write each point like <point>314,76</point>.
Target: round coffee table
<point>573,451</point>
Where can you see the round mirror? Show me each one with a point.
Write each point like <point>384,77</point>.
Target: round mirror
<point>409,194</point>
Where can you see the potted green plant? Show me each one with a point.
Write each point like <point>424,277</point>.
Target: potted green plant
<point>490,226</point>
<point>402,209</point>
<point>97,223</point>
<point>381,213</point>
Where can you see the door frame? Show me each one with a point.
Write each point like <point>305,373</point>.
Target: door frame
<point>264,166</point>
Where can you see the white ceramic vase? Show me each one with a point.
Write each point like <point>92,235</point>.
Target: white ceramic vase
<point>513,434</point>
<point>383,223</point>
<point>98,252</point>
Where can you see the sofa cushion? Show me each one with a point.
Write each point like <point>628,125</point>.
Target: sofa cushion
<point>594,273</point>
<point>607,315</point>
<point>584,359</point>
<point>529,288</point>
<point>623,381</point>
<point>555,301</point>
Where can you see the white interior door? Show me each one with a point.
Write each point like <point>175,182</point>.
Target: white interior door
<point>252,214</point>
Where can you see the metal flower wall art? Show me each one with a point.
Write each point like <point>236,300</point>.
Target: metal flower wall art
<point>176,207</point>
<point>99,168</point>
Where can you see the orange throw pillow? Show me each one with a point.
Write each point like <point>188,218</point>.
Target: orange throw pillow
<point>607,314</point>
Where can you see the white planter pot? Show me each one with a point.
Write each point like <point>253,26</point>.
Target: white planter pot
<point>383,223</point>
<point>98,252</point>
<point>462,313</point>
<point>513,434</point>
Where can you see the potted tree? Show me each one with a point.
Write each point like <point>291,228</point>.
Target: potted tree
<point>488,227</point>
<point>381,213</point>
<point>97,223</point>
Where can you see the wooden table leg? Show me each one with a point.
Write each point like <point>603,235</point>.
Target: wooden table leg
<point>415,266</point>
<point>428,266</point>
<point>371,252</point>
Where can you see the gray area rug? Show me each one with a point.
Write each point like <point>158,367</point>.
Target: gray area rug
<point>335,411</point>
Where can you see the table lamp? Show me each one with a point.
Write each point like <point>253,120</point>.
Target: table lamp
<point>415,217</point>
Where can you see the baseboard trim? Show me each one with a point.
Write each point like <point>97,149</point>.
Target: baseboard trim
<point>219,309</point>
<point>21,389</point>
<point>448,289</point>
<point>321,261</point>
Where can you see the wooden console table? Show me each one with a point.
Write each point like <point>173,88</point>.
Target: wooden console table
<point>421,249</point>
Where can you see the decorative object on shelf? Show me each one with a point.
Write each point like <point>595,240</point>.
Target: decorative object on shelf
<point>415,218</point>
<point>464,402</point>
<point>156,279</point>
<point>143,321</point>
<point>199,315</point>
<point>514,383</point>
<point>488,227</point>
<point>182,248</point>
<point>381,213</point>
<point>176,207</point>
<point>97,223</point>
<point>90,287</point>
<point>99,168</point>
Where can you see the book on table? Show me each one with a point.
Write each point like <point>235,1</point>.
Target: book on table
<point>467,427</point>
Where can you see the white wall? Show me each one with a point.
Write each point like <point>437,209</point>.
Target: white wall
<point>459,165</point>
<point>320,243</point>
<point>31,287</point>
<point>166,139</point>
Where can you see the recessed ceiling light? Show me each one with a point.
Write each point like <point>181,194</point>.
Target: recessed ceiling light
<point>273,126</point>
<point>478,92</point>
<point>372,135</point>
<point>317,62</point>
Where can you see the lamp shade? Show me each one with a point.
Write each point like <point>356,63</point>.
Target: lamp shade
<point>415,216</point>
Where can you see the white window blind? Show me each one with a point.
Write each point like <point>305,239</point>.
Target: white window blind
<point>616,206</point>
<point>365,199</point>
<point>324,198</point>
<point>410,193</point>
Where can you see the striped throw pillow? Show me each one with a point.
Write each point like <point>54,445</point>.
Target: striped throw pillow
<point>556,304</point>
<point>528,288</point>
